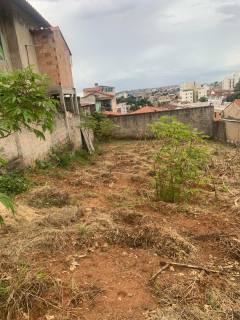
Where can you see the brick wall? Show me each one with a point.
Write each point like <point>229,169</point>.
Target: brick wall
<point>53,56</point>
<point>64,59</point>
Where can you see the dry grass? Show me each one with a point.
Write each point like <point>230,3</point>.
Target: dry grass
<point>51,240</point>
<point>176,294</point>
<point>62,217</point>
<point>49,197</point>
<point>128,216</point>
<point>86,295</point>
<point>166,242</point>
<point>231,245</point>
<point>23,293</point>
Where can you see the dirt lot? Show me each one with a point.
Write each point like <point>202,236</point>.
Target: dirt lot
<point>87,242</point>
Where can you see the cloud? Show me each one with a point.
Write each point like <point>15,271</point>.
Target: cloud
<point>147,43</point>
<point>230,10</point>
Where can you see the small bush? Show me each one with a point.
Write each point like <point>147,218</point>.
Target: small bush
<point>180,162</point>
<point>13,183</point>
<point>62,157</point>
<point>101,125</point>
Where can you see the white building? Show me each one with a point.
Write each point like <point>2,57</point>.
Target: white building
<point>187,95</point>
<point>188,91</point>
<point>123,94</point>
<point>230,81</point>
<point>203,92</point>
<point>123,107</point>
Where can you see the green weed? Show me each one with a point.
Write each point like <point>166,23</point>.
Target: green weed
<point>13,183</point>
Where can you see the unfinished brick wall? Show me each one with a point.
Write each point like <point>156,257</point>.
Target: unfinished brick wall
<point>64,59</point>
<point>53,56</point>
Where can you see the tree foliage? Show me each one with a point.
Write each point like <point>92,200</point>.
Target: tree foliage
<point>135,102</point>
<point>180,161</point>
<point>24,104</point>
<point>203,99</point>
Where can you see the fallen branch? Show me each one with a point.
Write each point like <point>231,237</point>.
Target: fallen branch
<point>183,265</point>
<point>191,266</point>
<point>158,273</point>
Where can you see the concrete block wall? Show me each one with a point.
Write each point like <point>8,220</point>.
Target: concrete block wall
<point>136,125</point>
<point>28,148</point>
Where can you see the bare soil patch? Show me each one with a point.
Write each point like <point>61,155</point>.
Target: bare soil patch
<point>85,244</point>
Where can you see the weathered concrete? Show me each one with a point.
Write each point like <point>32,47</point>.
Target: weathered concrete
<point>228,131</point>
<point>219,131</point>
<point>28,148</point>
<point>137,125</point>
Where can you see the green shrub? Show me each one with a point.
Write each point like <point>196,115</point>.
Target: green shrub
<point>13,183</point>
<point>62,157</point>
<point>180,162</point>
<point>101,125</point>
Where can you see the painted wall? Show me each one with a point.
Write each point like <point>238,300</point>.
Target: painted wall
<point>136,125</point>
<point>27,148</point>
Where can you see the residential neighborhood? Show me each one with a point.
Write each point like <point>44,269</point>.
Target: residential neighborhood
<point>119,160</point>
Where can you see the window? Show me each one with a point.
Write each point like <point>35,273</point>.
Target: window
<point>1,50</point>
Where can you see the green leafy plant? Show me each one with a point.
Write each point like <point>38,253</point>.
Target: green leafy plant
<point>180,162</point>
<point>101,125</point>
<point>62,157</point>
<point>13,183</point>
<point>24,104</point>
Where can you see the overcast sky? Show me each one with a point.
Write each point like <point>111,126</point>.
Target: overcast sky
<point>147,43</point>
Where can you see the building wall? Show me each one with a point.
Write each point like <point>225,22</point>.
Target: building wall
<point>230,81</point>
<point>232,111</point>
<point>28,148</point>
<point>187,96</point>
<point>203,92</point>
<point>5,65</point>
<point>232,131</point>
<point>64,60</point>
<point>137,125</point>
<point>47,55</point>
<point>26,44</point>
<point>54,57</point>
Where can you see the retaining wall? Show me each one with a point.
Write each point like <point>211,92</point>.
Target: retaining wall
<point>25,148</point>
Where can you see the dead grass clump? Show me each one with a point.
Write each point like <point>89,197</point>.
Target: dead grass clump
<point>231,245</point>
<point>196,296</point>
<point>50,240</point>
<point>144,237</point>
<point>62,218</point>
<point>23,294</point>
<point>172,245</point>
<point>49,197</point>
<point>138,178</point>
<point>85,295</point>
<point>177,290</point>
<point>129,217</point>
<point>166,242</point>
